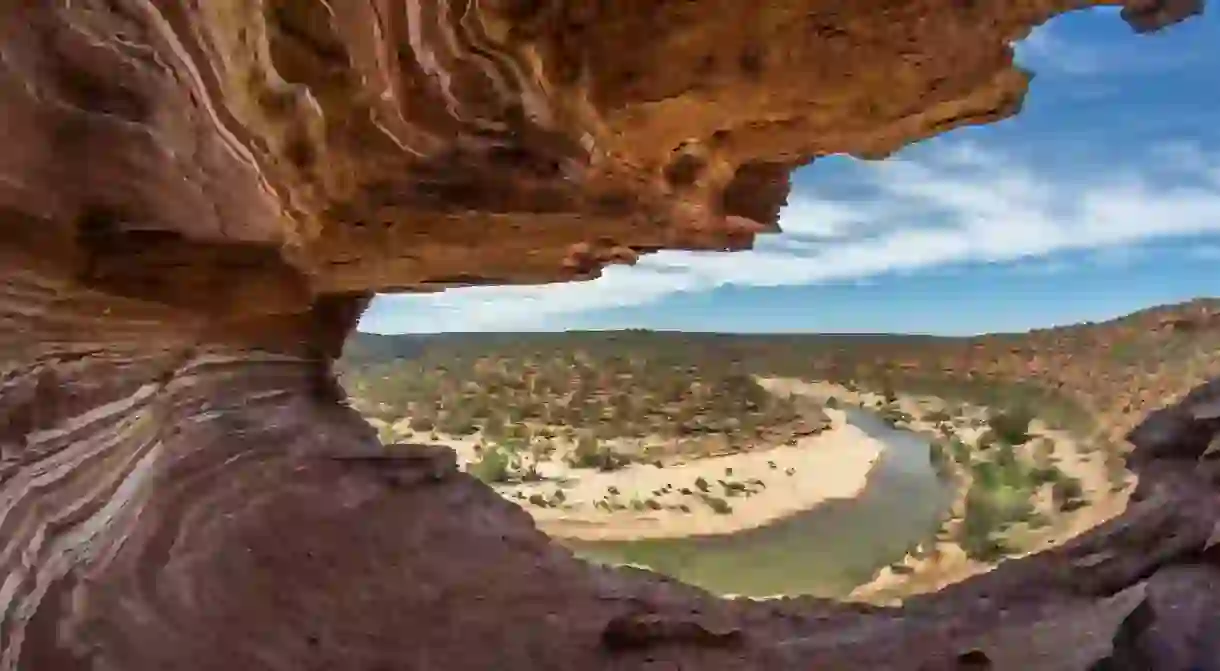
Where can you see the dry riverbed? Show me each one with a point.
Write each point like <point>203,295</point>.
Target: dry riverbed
<point>720,494</point>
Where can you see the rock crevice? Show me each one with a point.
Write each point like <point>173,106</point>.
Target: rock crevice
<point>198,200</point>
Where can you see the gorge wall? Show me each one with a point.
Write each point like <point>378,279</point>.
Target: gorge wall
<point>199,198</point>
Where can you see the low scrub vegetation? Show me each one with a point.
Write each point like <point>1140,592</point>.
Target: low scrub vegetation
<point>607,387</point>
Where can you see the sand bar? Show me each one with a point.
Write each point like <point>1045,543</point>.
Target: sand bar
<point>833,464</point>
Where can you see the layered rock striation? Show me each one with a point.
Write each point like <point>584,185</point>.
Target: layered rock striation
<point>199,198</point>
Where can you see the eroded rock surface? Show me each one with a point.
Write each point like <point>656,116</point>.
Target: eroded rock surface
<point>198,199</point>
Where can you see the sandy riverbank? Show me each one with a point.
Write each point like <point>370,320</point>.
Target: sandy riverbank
<point>831,465</point>
<point>943,562</point>
<point>643,501</point>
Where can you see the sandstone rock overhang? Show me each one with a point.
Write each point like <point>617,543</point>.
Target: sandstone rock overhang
<point>198,199</point>
<point>250,155</point>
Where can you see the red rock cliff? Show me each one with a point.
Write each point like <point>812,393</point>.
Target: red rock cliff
<point>199,197</point>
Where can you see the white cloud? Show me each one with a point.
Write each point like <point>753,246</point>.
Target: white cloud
<point>1054,266</point>
<point>1045,50</point>
<point>818,218</point>
<point>969,204</point>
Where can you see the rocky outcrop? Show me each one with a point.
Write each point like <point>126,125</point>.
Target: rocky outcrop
<point>198,199</point>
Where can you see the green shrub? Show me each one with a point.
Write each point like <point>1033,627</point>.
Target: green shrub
<point>1011,426</point>
<point>887,390</point>
<point>975,535</point>
<point>590,453</point>
<point>733,488</point>
<point>718,505</point>
<point>938,416</point>
<point>493,466</point>
<point>893,416</point>
<point>1042,475</point>
<point>1006,460</point>
<point>493,427</point>
<point>986,475</point>
<point>532,474</point>
<point>422,424</point>
<point>457,424</point>
<point>1073,504</point>
<point>983,547</point>
<point>1067,493</point>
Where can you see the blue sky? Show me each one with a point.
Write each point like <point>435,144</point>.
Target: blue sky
<point>1100,198</point>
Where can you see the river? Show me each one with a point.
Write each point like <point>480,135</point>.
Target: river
<point>825,551</point>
